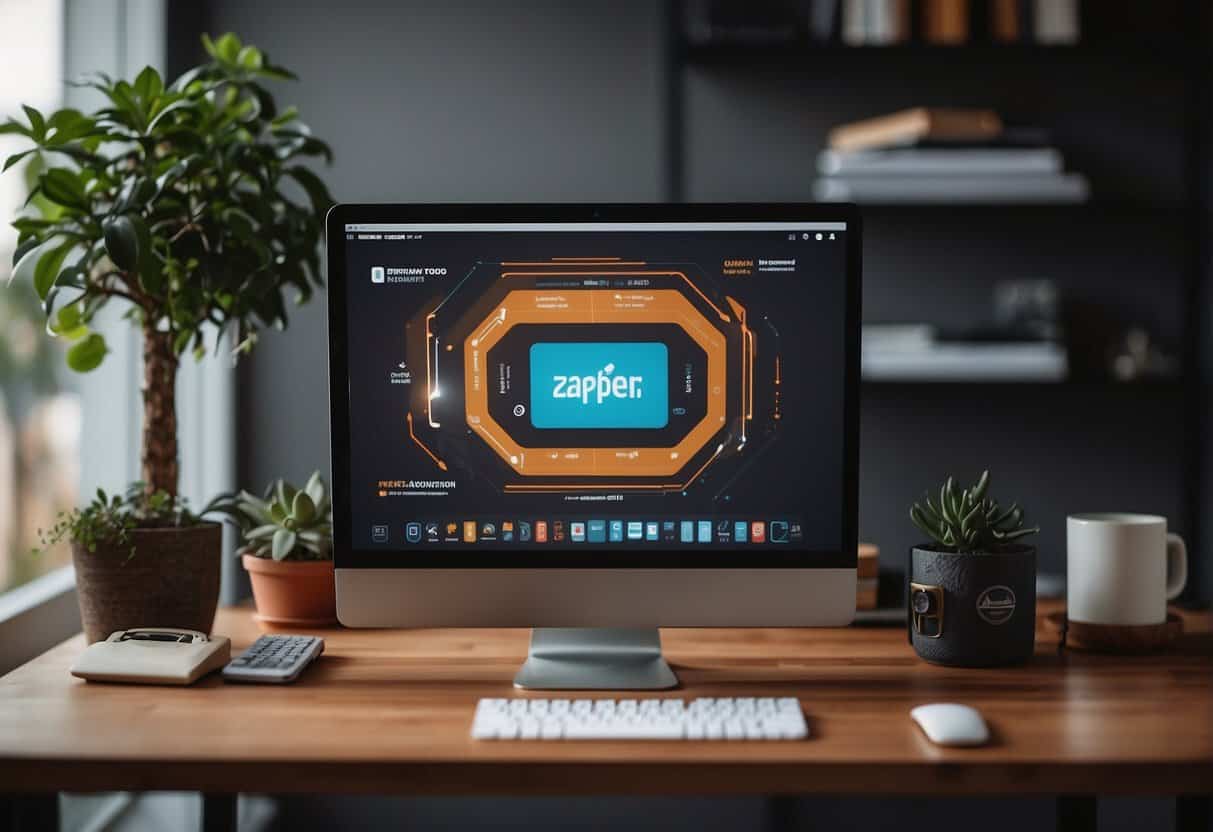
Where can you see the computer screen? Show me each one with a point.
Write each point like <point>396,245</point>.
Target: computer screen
<point>650,392</point>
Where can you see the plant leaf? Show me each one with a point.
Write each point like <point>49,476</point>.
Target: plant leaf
<point>983,484</point>
<point>227,48</point>
<point>945,504</point>
<point>37,123</point>
<point>68,323</point>
<point>263,532</point>
<point>64,187</point>
<point>315,488</point>
<point>303,510</point>
<point>15,158</point>
<point>87,354</point>
<point>148,84</point>
<point>48,268</point>
<point>319,195</point>
<point>284,542</point>
<point>121,242</point>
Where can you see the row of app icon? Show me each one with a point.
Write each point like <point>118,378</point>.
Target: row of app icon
<point>594,531</point>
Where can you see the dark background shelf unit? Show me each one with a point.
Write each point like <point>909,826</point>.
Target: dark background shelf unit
<point>1129,107</point>
<point>601,101</point>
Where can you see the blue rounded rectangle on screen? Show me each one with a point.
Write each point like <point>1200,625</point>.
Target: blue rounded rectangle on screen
<point>599,385</point>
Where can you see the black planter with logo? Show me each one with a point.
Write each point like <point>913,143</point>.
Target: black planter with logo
<point>973,609</point>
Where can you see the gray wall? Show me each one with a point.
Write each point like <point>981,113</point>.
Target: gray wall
<point>459,101</point>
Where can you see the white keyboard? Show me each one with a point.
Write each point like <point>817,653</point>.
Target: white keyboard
<point>725,718</point>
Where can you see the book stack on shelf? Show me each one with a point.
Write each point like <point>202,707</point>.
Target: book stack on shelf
<point>955,22</point>
<point>921,353</point>
<point>868,23</point>
<point>939,156</point>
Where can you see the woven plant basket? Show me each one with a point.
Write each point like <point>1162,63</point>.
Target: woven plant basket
<point>172,580</point>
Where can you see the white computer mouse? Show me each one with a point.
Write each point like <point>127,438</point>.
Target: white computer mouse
<point>951,724</point>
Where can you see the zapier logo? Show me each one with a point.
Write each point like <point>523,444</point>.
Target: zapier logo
<point>598,388</point>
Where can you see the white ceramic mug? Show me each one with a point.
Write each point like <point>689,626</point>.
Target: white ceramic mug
<point>1122,568</point>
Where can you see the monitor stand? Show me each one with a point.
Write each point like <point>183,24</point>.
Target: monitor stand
<point>595,658</point>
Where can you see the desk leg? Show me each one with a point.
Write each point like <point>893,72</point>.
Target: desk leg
<point>219,812</point>
<point>29,812</point>
<point>782,813</point>
<point>1193,813</point>
<point>1076,813</point>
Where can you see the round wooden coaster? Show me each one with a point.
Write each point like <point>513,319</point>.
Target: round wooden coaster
<point>1111,638</point>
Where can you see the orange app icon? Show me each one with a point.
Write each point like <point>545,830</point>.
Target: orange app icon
<point>541,531</point>
<point>469,531</point>
<point>758,532</point>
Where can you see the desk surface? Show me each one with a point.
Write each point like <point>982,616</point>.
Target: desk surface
<point>388,712</point>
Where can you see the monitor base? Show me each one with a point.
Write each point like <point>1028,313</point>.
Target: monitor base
<point>595,658</point>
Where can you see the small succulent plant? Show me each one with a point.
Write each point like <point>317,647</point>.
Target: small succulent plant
<point>287,523</point>
<point>966,520</point>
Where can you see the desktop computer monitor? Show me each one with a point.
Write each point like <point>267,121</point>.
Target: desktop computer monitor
<point>598,419</point>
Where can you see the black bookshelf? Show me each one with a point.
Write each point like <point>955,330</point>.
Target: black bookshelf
<point>1156,178</point>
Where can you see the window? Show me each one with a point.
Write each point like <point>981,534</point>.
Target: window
<point>40,408</point>
<point>61,434</point>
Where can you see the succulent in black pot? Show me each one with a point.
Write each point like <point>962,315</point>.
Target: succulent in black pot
<point>972,598</point>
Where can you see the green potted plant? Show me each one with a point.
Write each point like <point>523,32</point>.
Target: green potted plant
<point>175,201</point>
<point>973,585</point>
<point>287,548</point>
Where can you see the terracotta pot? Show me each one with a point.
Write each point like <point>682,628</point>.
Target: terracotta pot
<point>299,593</point>
<point>172,580</point>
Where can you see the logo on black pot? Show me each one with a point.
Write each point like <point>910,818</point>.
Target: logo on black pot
<point>996,605</point>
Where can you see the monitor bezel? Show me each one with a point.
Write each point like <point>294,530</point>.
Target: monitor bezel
<point>346,556</point>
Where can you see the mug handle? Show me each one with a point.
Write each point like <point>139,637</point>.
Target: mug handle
<point>1177,566</point>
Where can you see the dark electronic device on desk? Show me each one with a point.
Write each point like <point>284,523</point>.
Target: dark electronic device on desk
<point>584,418</point>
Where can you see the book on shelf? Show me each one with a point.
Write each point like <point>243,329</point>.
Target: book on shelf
<point>1056,22</point>
<point>875,22</point>
<point>918,124</point>
<point>945,22</point>
<point>940,160</point>
<point>1007,20</point>
<point>988,189</point>
<point>1043,361</point>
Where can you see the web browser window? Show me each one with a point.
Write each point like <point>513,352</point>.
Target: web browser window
<point>608,386</point>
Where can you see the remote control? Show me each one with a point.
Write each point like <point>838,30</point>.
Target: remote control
<point>276,659</point>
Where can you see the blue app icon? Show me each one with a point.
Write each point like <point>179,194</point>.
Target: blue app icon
<point>739,531</point>
<point>635,530</point>
<point>779,531</point>
<point>412,532</point>
<point>650,530</point>
<point>577,531</point>
<point>705,531</point>
<point>687,531</point>
<point>596,531</point>
<point>616,531</point>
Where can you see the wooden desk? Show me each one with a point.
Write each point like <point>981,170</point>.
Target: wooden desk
<point>388,712</point>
